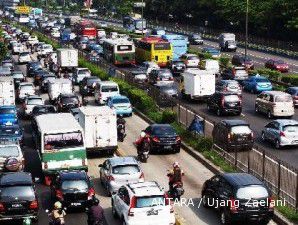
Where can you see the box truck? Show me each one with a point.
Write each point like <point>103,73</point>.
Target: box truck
<point>57,87</point>
<point>67,57</point>
<point>100,128</point>
<point>227,42</point>
<point>7,93</point>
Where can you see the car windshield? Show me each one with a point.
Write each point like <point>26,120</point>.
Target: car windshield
<point>126,169</point>
<point>92,81</point>
<point>24,54</point>
<point>74,185</point>
<point>262,80</point>
<point>43,110</point>
<point>7,111</point>
<point>283,98</point>
<point>252,192</point>
<point>150,201</point>
<point>241,129</point>
<point>34,101</point>
<point>231,98</point>
<point>27,87</point>
<point>17,192</point>
<point>9,130</point>
<point>163,130</point>
<point>9,151</point>
<point>84,72</point>
<point>109,88</point>
<point>120,100</point>
<point>291,128</point>
<point>67,100</point>
<point>63,140</point>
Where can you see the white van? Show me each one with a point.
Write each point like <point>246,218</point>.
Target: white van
<point>104,90</point>
<point>210,65</point>
<point>57,87</point>
<point>7,93</point>
<point>100,128</point>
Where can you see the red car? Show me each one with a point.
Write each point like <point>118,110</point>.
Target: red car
<point>278,65</point>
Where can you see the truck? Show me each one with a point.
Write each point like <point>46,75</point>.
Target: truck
<point>100,128</point>
<point>198,84</point>
<point>57,87</point>
<point>67,57</point>
<point>227,42</point>
<point>7,96</point>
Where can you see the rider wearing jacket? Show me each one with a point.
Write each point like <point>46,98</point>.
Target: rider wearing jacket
<point>95,213</point>
<point>175,175</point>
<point>58,214</point>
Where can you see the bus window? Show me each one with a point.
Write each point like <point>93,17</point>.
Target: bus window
<point>162,46</point>
<point>122,48</point>
<point>63,140</point>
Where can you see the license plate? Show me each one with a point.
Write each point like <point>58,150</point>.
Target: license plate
<point>167,147</point>
<point>232,104</point>
<point>16,205</point>
<point>76,204</point>
<point>179,67</point>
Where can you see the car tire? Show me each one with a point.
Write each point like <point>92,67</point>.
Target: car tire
<point>218,112</point>
<point>114,213</point>
<point>277,144</point>
<point>224,218</point>
<point>269,115</point>
<point>263,136</point>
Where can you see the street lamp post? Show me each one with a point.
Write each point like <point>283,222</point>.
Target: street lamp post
<point>246,28</point>
<point>142,18</point>
<point>188,17</point>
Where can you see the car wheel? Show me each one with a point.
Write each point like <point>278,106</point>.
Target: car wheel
<point>218,112</point>
<point>269,115</point>
<point>224,218</point>
<point>114,213</point>
<point>263,136</point>
<point>277,144</point>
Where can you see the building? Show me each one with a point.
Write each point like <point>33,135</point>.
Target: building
<point>9,3</point>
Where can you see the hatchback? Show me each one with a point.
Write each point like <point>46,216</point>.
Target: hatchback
<point>118,171</point>
<point>231,86</point>
<point>257,84</point>
<point>241,197</point>
<point>121,104</point>
<point>29,103</point>
<point>24,57</point>
<point>281,132</point>
<point>278,65</point>
<point>104,90</point>
<point>190,60</point>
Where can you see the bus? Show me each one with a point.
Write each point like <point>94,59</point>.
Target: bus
<point>154,49</point>
<point>119,51</point>
<point>60,142</point>
<point>179,44</point>
<point>134,24</point>
<point>87,29</point>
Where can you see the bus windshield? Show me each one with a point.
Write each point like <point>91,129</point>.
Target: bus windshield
<point>63,140</point>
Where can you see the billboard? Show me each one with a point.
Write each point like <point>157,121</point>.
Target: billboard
<point>23,10</point>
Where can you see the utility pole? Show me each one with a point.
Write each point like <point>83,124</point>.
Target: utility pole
<point>246,28</point>
<point>142,18</point>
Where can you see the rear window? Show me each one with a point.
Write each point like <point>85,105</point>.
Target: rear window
<point>44,110</point>
<point>120,101</point>
<point>109,88</point>
<point>150,201</point>
<point>34,101</point>
<point>291,129</point>
<point>252,192</point>
<point>126,169</point>
<point>74,185</point>
<point>231,98</point>
<point>164,130</point>
<point>241,129</point>
<point>121,48</point>
<point>9,151</point>
<point>67,100</point>
<point>259,80</point>
<point>283,98</point>
<point>26,87</point>
<point>17,192</point>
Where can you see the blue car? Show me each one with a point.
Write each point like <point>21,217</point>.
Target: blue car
<point>11,133</point>
<point>256,84</point>
<point>8,115</point>
<point>212,51</point>
<point>121,104</point>
<point>96,48</point>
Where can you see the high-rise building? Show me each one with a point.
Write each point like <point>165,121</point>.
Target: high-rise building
<point>9,3</point>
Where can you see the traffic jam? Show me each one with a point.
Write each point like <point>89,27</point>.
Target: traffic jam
<point>73,151</point>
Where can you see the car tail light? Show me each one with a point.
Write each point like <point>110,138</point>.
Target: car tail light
<point>2,208</point>
<point>282,134</point>
<point>296,97</point>
<point>110,178</point>
<point>222,102</point>
<point>271,203</point>
<point>91,192</point>
<point>155,139</point>
<point>142,176</point>
<point>229,136</point>
<point>158,78</point>
<point>59,194</point>
<point>233,206</point>
<point>234,72</point>
<point>132,206</point>
<point>33,205</point>
<point>178,139</point>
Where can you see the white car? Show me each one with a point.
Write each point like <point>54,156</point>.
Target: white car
<point>25,89</point>
<point>45,49</point>
<point>148,66</point>
<point>30,102</point>
<point>12,151</point>
<point>32,40</point>
<point>143,203</point>
<point>104,90</point>
<point>55,32</point>
<point>17,48</point>
<point>24,57</point>
<point>190,60</point>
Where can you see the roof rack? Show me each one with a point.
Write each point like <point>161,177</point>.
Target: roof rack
<point>145,184</point>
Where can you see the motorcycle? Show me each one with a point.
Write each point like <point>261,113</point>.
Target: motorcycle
<point>177,191</point>
<point>143,148</point>
<point>59,221</point>
<point>121,132</point>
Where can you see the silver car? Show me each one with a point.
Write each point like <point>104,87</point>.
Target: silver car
<point>118,171</point>
<point>281,132</point>
<point>229,86</point>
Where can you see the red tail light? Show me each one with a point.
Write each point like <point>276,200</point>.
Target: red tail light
<point>178,139</point>
<point>91,192</point>
<point>155,139</point>
<point>142,176</point>
<point>2,208</point>
<point>133,204</point>
<point>59,194</point>
<point>45,165</point>
<point>234,72</point>
<point>271,203</point>
<point>222,102</point>
<point>111,178</point>
<point>282,134</point>
<point>33,205</point>
<point>233,206</point>
<point>296,97</point>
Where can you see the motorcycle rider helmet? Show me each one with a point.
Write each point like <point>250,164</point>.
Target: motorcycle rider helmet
<point>57,205</point>
<point>176,165</point>
<point>143,134</point>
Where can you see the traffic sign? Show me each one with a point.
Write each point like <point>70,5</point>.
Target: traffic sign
<point>139,4</point>
<point>23,10</point>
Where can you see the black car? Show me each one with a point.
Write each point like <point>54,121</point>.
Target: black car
<point>177,67</point>
<point>32,67</point>
<point>163,137</point>
<point>38,74</point>
<point>88,84</point>
<point>44,81</point>
<point>233,135</point>
<point>241,60</point>
<point>225,103</point>
<point>65,102</point>
<point>42,109</point>
<point>18,199</point>
<point>195,39</point>
<point>72,188</point>
<point>239,197</point>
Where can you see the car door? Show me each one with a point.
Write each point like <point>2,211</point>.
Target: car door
<point>118,198</point>
<point>224,191</point>
<point>274,131</point>
<point>267,102</point>
<point>262,102</point>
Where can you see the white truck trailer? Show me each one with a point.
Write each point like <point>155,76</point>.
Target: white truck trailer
<point>7,93</point>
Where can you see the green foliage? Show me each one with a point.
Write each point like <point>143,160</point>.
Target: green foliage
<point>3,50</point>
<point>291,79</point>
<point>288,212</point>
<point>271,74</point>
<point>169,116</point>
<point>224,61</point>
<point>95,70</point>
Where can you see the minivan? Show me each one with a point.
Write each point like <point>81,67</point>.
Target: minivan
<point>275,103</point>
<point>104,90</point>
<point>232,135</point>
<point>210,65</point>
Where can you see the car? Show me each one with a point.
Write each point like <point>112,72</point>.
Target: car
<point>12,133</point>
<point>8,63</point>
<point>104,90</point>
<point>79,75</point>
<point>5,71</point>
<point>65,102</point>
<point>210,65</point>
<point>121,104</point>
<point>275,103</point>
<point>18,197</point>
<point>32,66</point>
<point>242,60</point>
<point>160,76</point>
<point>169,89</point>
<point>117,171</point>
<point>8,115</point>
<point>256,84</point>
<point>190,60</point>
<point>45,80</point>
<point>95,48</point>
<point>11,151</point>
<point>29,103</point>
<point>24,57</point>
<point>73,189</point>
<point>24,37</point>
<point>225,103</point>
<point>231,86</point>
<point>233,135</point>
<point>177,66</point>
<point>139,76</point>
<point>17,48</point>
<point>32,40</point>
<point>24,89</point>
<point>38,74</point>
<point>102,24</point>
<point>239,196</point>
<point>18,77</point>
<point>88,84</point>
<point>293,91</point>
<point>55,33</point>
<point>195,39</point>
<point>45,49</point>
<point>215,53</point>
<point>163,137</point>
<point>148,66</point>
<point>236,73</point>
<point>278,65</point>
<point>42,109</point>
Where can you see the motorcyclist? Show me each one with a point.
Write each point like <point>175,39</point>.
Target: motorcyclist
<point>95,213</point>
<point>58,214</point>
<point>175,175</point>
<point>121,128</point>
<point>121,120</point>
<point>139,142</point>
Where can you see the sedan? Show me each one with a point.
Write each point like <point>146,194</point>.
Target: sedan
<point>24,57</point>
<point>257,84</point>
<point>30,103</point>
<point>177,66</point>
<point>281,132</point>
<point>121,104</point>
<point>212,51</point>
<point>278,65</point>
